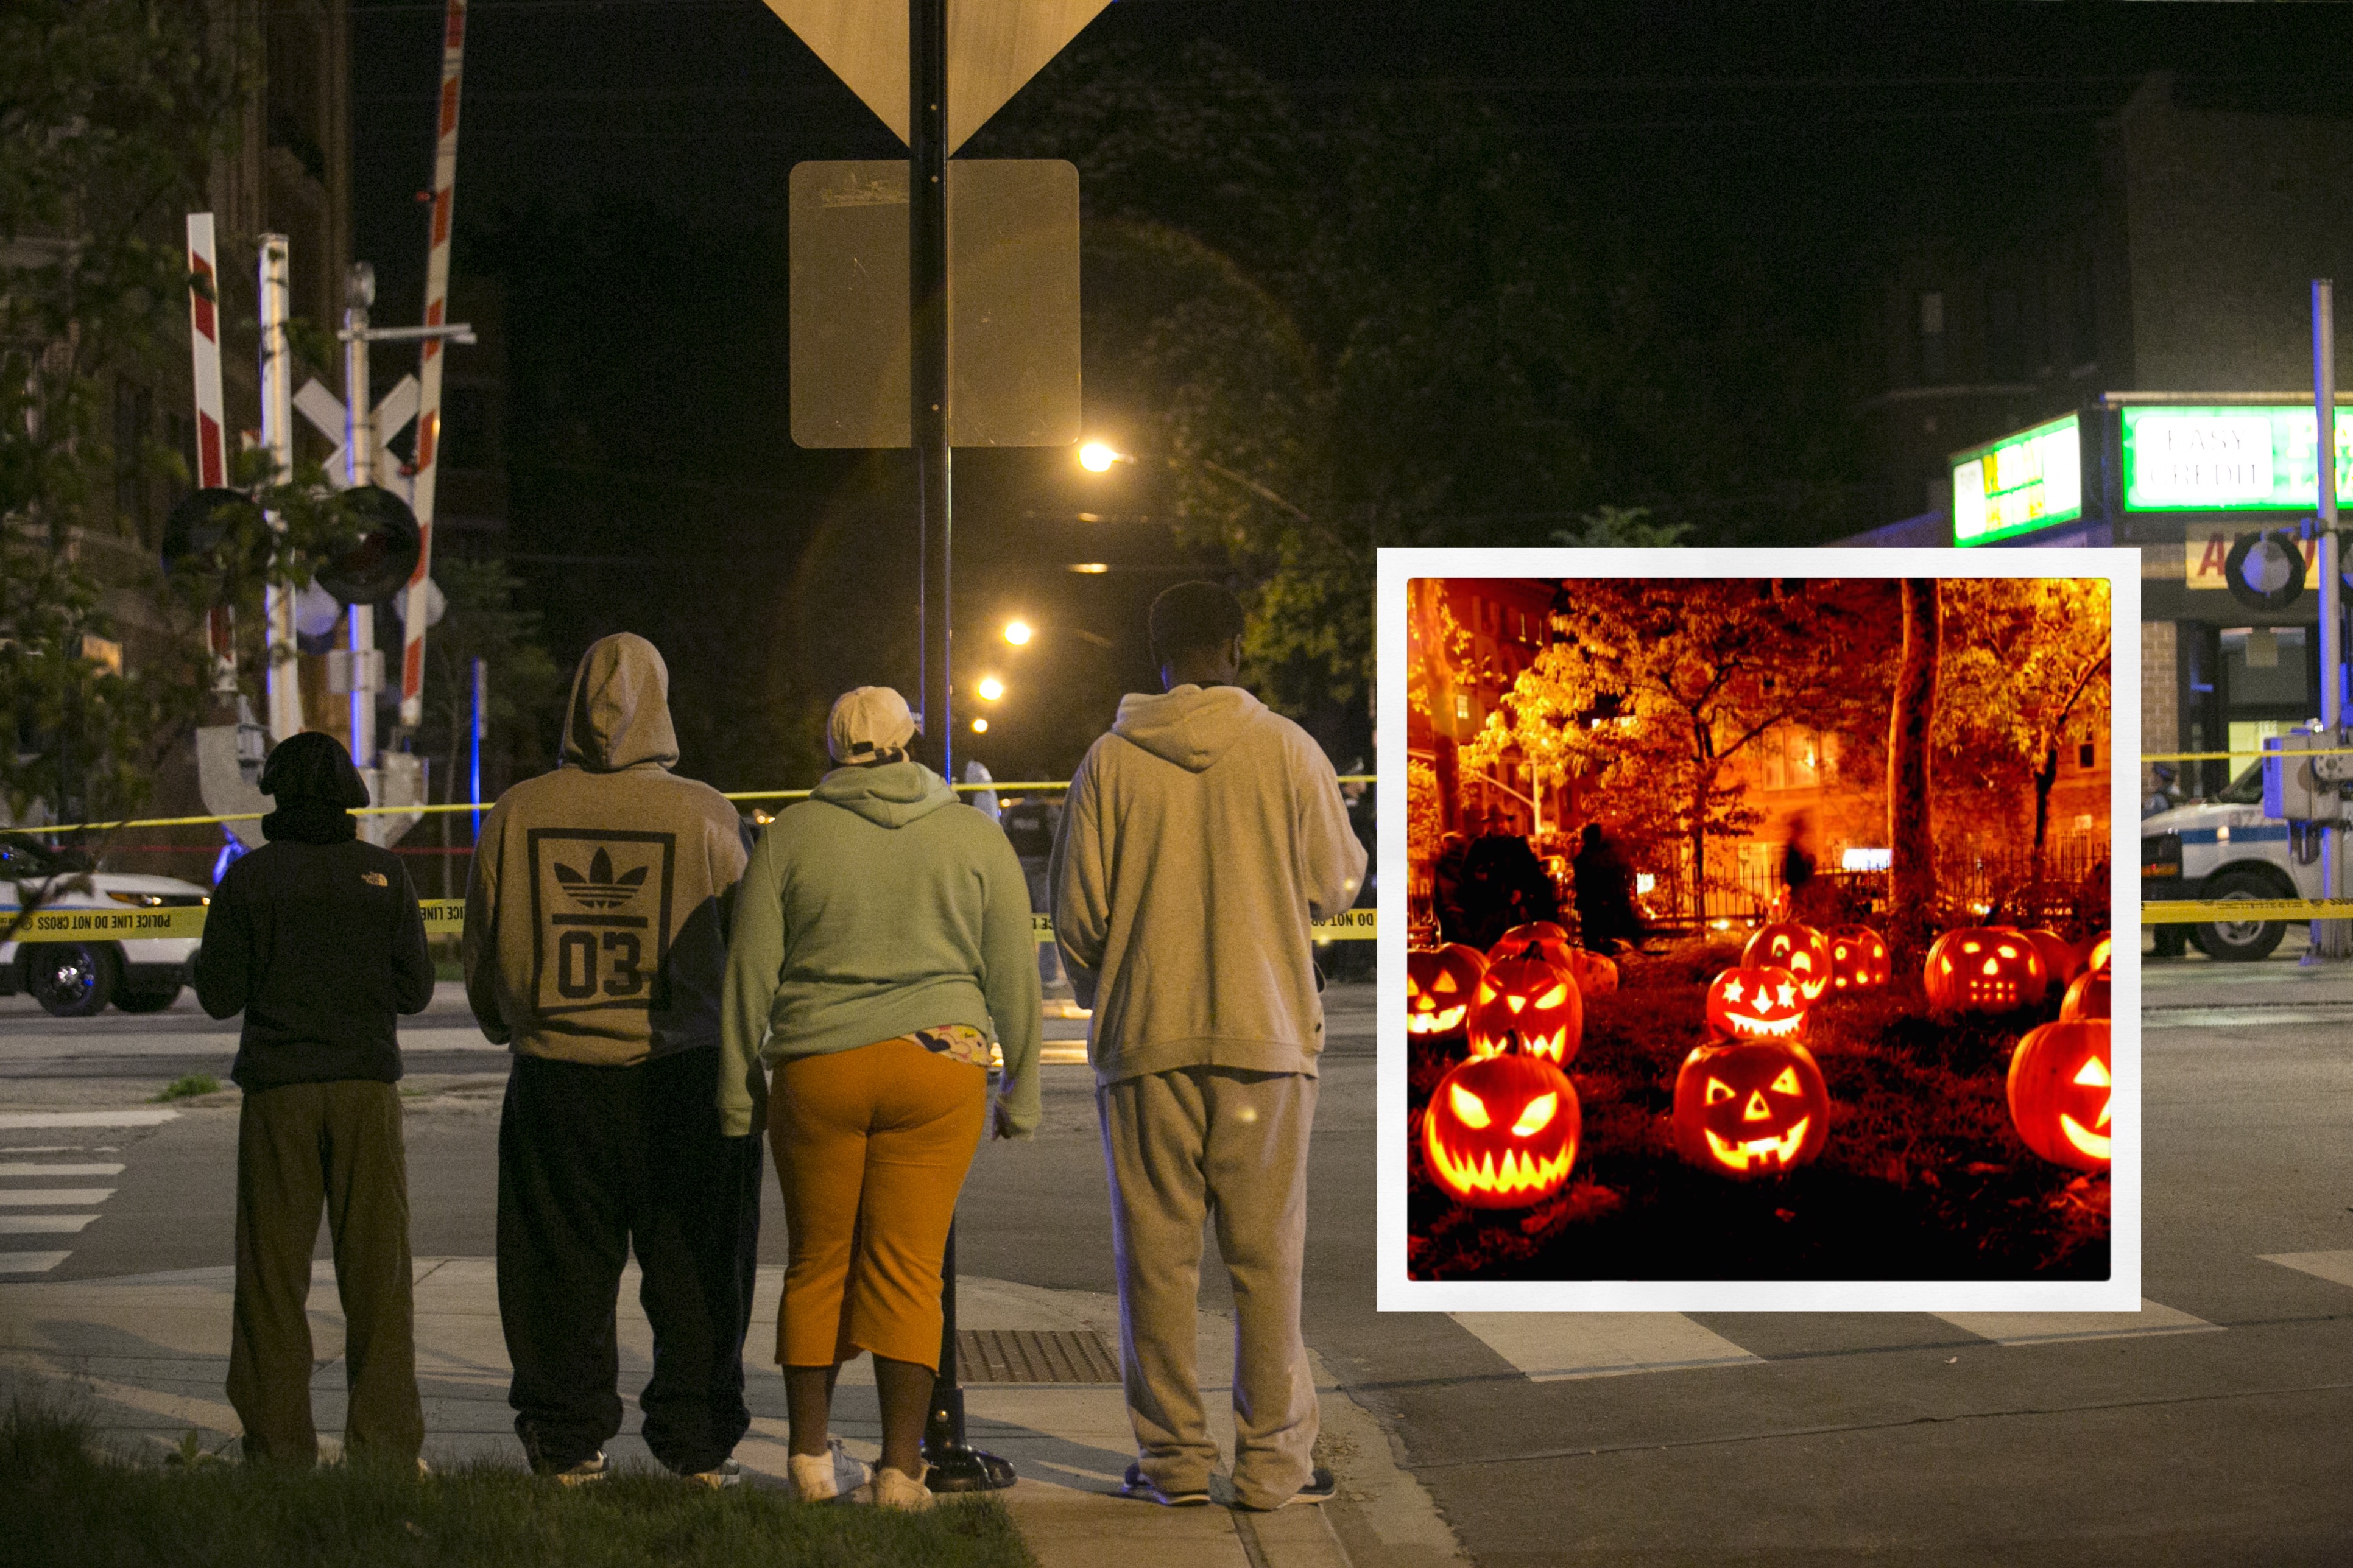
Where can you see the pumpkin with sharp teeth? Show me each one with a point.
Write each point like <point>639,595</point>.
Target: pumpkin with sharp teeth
<point>1529,1001</point>
<point>1501,1131</point>
<point>1750,1108</point>
<point>1798,948</point>
<point>1757,1002</point>
<point>2060,1087</point>
<point>1439,984</point>
<point>2087,997</point>
<point>1985,969</point>
<point>1858,959</point>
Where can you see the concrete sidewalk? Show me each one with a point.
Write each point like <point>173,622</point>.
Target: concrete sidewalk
<point>149,1355</point>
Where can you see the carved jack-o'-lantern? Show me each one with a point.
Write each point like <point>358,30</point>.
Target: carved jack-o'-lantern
<point>1595,975</point>
<point>1531,1001</point>
<point>2096,956</point>
<point>2060,957</point>
<point>1858,959</point>
<point>1439,984</point>
<point>1501,1131</point>
<point>1750,1108</point>
<point>1549,940</point>
<point>1757,1002</point>
<point>1984,969</point>
<point>2087,997</point>
<point>1800,949</point>
<point>2060,1087</point>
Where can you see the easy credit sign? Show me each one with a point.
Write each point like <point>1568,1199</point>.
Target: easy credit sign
<point>2229,458</point>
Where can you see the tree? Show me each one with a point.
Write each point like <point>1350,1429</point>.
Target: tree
<point>1656,685</point>
<point>1911,719</point>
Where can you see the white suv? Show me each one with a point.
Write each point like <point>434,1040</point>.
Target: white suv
<point>76,979</point>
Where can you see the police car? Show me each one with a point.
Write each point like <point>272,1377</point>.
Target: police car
<point>76,979</point>
<point>2227,847</point>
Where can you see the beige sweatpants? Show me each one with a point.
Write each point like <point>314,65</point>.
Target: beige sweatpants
<point>1181,1146</point>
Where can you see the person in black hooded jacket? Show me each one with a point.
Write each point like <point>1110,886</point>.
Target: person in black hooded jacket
<point>317,938</point>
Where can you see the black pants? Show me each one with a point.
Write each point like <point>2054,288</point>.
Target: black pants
<point>594,1162</point>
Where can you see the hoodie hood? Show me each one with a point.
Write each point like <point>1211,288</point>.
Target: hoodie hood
<point>889,794</point>
<point>619,716</point>
<point>1191,726</point>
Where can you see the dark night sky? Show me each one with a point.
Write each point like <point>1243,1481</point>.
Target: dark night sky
<point>1769,152</point>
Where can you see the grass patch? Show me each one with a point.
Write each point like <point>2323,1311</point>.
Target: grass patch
<point>67,1501</point>
<point>188,1088</point>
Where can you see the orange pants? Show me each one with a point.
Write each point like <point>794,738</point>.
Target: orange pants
<point>871,1146</point>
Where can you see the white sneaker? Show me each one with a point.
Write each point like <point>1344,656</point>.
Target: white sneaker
<point>726,1473</point>
<point>894,1489</point>
<point>820,1477</point>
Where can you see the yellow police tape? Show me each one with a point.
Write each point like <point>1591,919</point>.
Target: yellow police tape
<point>443,917</point>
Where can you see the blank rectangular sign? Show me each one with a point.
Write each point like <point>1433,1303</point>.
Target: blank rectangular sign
<point>1013,302</point>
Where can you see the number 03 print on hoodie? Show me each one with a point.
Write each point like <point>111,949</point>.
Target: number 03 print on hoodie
<point>600,906</point>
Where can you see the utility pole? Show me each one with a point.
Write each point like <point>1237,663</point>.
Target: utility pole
<point>284,678</point>
<point>2331,939</point>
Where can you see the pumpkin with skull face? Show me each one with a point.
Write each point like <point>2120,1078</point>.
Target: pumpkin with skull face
<point>1549,941</point>
<point>2087,997</point>
<point>1800,949</point>
<point>1858,959</point>
<point>1750,1108</point>
<point>1440,982</point>
<point>2059,1088</point>
<point>1501,1131</point>
<point>1529,1001</point>
<point>1757,1002</point>
<point>1984,969</point>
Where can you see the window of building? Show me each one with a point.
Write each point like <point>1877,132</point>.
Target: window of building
<point>1462,705</point>
<point>1932,339</point>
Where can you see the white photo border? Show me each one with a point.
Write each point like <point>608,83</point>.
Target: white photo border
<point>2120,1292</point>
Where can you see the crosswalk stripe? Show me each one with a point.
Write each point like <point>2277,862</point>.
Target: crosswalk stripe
<point>1558,1347</point>
<point>2047,1328</point>
<point>2336,1268</point>
<point>42,1223</point>
<point>11,1169</point>
<point>139,1116</point>
<point>53,1197</point>
<point>30,1262</point>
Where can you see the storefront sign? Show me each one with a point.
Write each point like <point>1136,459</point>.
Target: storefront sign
<point>2235,460</point>
<point>2208,546</point>
<point>2021,483</point>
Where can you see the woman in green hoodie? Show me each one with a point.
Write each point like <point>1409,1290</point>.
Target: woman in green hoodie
<point>881,934</point>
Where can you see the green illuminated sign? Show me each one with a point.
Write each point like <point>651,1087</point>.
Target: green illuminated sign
<point>2019,484</point>
<point>2233,459</point>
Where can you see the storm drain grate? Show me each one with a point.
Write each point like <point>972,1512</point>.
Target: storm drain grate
<point>1035,1355</point>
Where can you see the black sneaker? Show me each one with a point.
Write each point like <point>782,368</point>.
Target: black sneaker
<point>1320,1487</point>
<point>1136,1485</point>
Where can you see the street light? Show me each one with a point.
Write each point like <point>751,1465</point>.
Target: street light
<point>991,689</point>
<point>980,726</point>
<point>1017,632</point>
<point>1097,457</point>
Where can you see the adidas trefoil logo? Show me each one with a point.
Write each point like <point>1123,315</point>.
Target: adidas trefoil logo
<point>600,889</point>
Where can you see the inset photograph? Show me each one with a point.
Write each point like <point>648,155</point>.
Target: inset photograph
<point>1760,928</point>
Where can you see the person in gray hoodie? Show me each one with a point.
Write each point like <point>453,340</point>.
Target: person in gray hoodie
<point>1199,840</point>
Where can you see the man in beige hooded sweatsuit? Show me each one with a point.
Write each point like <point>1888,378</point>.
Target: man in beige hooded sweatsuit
<point>595,948</point>
<point>1199,838</point>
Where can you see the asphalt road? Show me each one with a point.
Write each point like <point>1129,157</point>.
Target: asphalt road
<point>2214,1428</point>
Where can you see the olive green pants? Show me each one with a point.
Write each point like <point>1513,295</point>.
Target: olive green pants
<point>301,1147</point>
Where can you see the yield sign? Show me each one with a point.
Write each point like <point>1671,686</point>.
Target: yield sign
<point>994,46</point>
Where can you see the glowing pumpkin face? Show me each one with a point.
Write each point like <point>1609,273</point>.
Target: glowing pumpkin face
<point>1984,969</point>
<point>1549,940</point>
<point>2087,997</point>
<point>1757,1002</point>
<point>1501,1131</point>
<point>2059,1092</point>
<point>1800,949</point>
<point>1529,1001</point>
<point>2060,959</point>
<point>1858,959</point>
<point>1750,1108</point>
<point>1438,985</point>
<point>1595,975</point>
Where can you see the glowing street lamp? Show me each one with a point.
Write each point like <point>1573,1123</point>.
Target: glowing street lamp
<point>1097,457</point>
<point>980,726</point>
<point>991,689</point>
<point>1017,632</point>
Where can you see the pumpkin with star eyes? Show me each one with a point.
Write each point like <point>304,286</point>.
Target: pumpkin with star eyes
<point>1858,959</point>
<point>1985,969</point>
<point>1757,1002</point>
<point>1750,1108</point>
<point>2060,1087</point>
<point>1798,948</point>
<point>1440,982</point>
<point>1532,1002</point>
<point>1549,941</point>
<point>2087,997</point>
<point>1501,1131</point>
<point>2060,958</point>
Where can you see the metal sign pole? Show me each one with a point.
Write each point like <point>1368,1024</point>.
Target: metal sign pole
<point>359,461</point>
<point>2331,939</point>
<point>284,676</point>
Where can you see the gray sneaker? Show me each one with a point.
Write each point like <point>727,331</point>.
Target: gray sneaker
<point>820,1477</point>
<point>1136,1484</point>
